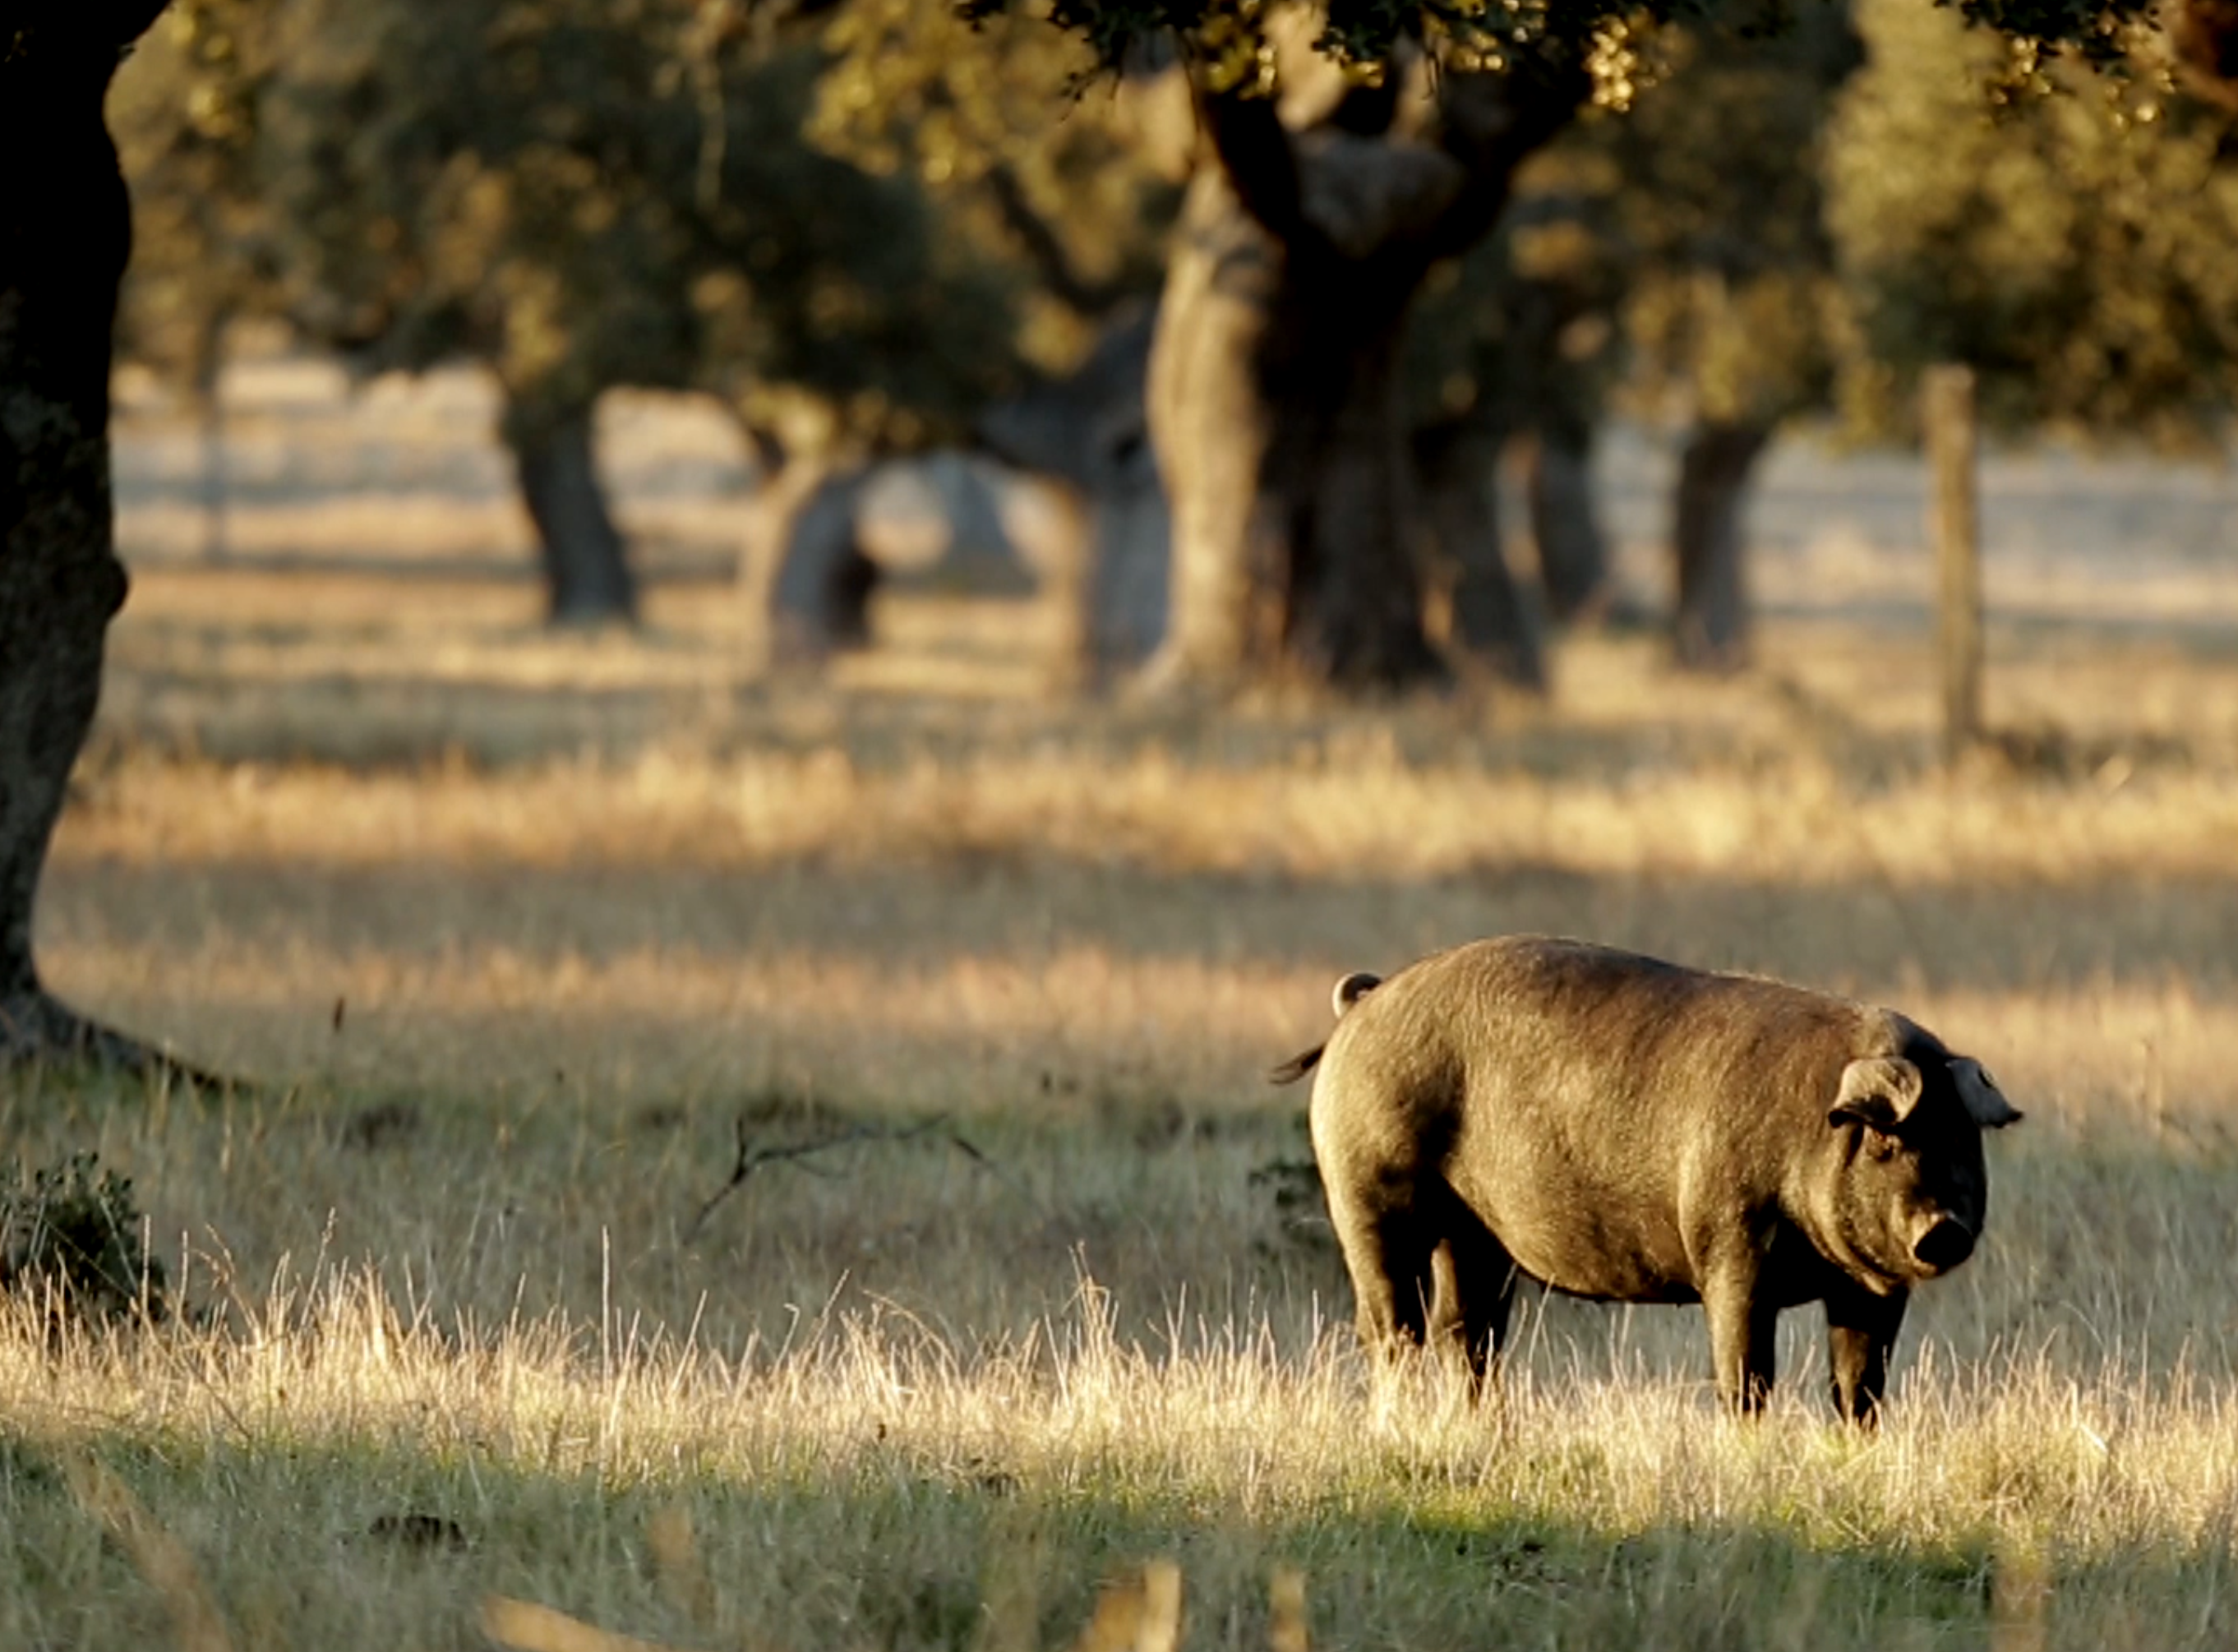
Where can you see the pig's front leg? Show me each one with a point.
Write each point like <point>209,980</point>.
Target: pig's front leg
<point>1742,1326</point>
<point>1861,1328</point>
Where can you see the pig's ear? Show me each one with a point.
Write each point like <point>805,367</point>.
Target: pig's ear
<point>1985,1102</point>
<point>1877,1091</point>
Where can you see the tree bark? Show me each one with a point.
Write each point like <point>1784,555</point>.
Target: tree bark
<point>1710,628</point>
<point>1574,562</point>
<point>65,235</point>
<point>585,564</point>
<point>815,579</point>
<point>1210,429</point>
<point>1275,409</point>
<point>1492,620</point>
<point>1089,430</point>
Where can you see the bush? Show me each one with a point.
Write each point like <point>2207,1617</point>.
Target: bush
<point>73,1240</point>
<point>1302,1220</point>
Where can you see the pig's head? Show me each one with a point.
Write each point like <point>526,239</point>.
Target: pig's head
<point>1913,1190</point>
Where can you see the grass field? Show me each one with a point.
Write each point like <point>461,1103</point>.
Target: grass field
<point>519,938</point>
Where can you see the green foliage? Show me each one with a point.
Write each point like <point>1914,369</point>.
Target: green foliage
<point>73,1238</point>
<point>184,118</point>
<point>581,194</point>
<point>1227,36</point>
<point>1075,182</point>
<point>2078,247</point>
<point>1672,254</point>
<point>1729,307</point>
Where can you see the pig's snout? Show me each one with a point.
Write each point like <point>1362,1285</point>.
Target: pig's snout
<point>1947,1243</point>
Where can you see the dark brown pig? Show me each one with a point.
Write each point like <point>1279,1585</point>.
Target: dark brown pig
<point>1628,1129</point>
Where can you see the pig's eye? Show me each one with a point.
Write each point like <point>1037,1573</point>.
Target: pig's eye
<point>1881,1145</point>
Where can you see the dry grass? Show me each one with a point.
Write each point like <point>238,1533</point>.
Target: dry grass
<point>515,931</point>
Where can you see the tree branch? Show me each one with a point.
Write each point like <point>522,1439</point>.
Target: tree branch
<point>1491,123</point>
<point>1260,163</point>
<point>751,1159</point>
<point>1058,273</point>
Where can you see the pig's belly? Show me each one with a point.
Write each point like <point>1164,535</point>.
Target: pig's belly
<point>1575,1244</point>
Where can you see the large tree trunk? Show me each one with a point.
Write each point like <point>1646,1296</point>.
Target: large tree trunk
<point>804,580</point>
<point>820,597</point>
<point>1711,629</point>
<point>65,233</point>
<point>1210,429</point>
<point>1273,397</point>
<point>1574,562</point>
<point>1492,620</point>
<point>1340,471</point>
<point>1274,414</point>
<point>1089,430</point>
<point>585,564</point>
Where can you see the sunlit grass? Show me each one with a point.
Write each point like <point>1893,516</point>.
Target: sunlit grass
<point>520,940</point>
<point>872,1478</point>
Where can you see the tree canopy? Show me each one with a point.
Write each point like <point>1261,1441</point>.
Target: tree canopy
<point>2076,243</point>
<point>1230,35</point>
<point>579,194</point>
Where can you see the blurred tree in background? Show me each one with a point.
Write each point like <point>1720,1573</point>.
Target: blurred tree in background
<point>580,195</point>
<point>1669,261</point>
<point>1276,384</point>
<point>1274,395</point>
<point>1072,185</point>
<point>2072,235</point>
<point>1517,342</point>
<point>185,121</point>
<point>863,222</point>
<point>1732,317</point>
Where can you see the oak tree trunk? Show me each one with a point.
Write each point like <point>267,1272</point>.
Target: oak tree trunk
<point>1275,407</point>
<point>1089,432</point>
<point>1711,629</point>
<point>65,233</point>
<point>1274,412</point>
<point>1574,560</point>
<point>586,563</point>
<point>1492,620</point>
<point>1210,429</point>
<point>822,581</point>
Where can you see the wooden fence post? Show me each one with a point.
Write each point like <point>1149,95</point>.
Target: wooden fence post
<point>1954,528</point>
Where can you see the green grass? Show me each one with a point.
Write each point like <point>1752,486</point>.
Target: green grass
<point>512,932</point>
<point>896,1448</point>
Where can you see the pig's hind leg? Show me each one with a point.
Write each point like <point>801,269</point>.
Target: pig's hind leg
<point>1387,1250</point>
<point>1474,1279</point>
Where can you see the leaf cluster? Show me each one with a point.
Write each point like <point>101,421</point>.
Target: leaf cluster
<point>1029,155</point>
<point>581,194</point>
<point>2078,246</point>
<point>1671,255</point>
<point>184,118</point>
<point>1228,38</point>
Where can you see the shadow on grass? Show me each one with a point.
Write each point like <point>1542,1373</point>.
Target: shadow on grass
<point>1875,936</point>
<point>398,1542</point>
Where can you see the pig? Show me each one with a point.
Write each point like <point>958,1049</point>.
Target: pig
<point>1626,1129</point>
